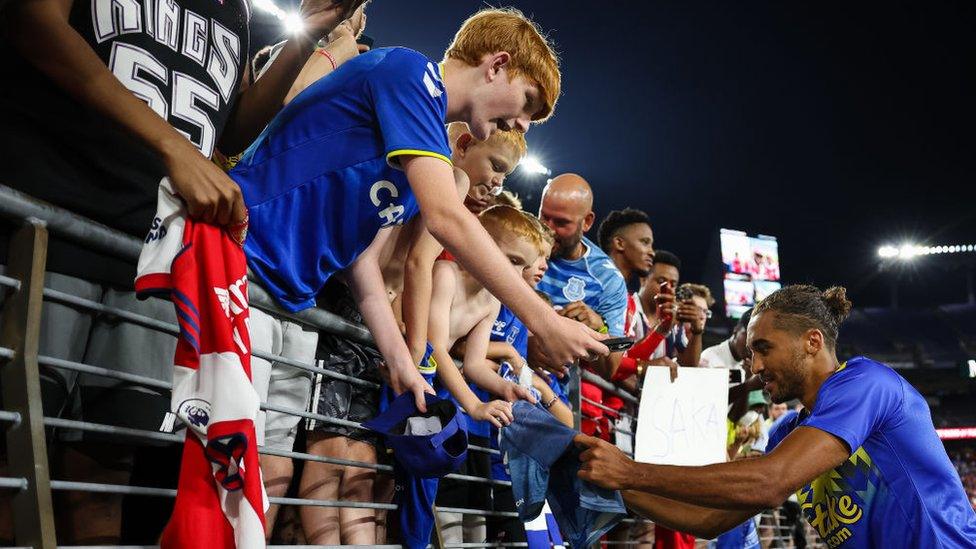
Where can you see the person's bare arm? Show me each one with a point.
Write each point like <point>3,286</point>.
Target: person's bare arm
<point>366,283</point>
<point>438,332</point>
<point>691,355</point>
<point>764,482</point>
<point>453,226</point>
<point>498,351</point>
<point>558,409</point>
<point>417,277</point>
<point>703,522</point>
<point>265,97</point>
<point>342,47</point>
<point>478,370</point>
<point>41,32</point>
<point>693,323</point>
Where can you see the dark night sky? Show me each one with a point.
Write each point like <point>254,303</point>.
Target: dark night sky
<point>836,127</point>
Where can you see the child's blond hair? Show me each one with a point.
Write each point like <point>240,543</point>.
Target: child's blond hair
<point>511,138</point>
<point>506,198</point>
<point>495,30</point>
<point>505,220</point>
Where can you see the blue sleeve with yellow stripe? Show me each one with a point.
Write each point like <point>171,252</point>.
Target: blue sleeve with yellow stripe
<point>410,102</point>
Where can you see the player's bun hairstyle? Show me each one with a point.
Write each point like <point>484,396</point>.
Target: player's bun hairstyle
<point>533,56</point>
<point>512,138</point>
<point>801,307</point>
<point>615,221</point>
<point>503,220</point>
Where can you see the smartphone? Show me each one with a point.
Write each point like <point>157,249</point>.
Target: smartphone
<point>617,344</point>
<point>684,293</point>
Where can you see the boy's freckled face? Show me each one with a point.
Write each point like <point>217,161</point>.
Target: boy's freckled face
<point>505,105</point>
<point>534,274</point>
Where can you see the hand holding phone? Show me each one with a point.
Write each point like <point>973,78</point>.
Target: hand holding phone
<point>618,344</point>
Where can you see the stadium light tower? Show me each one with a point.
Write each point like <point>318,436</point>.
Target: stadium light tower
<point>291,21</point>
<point>909,251</point>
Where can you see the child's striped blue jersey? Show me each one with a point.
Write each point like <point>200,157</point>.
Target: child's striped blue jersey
<point>592,279</point>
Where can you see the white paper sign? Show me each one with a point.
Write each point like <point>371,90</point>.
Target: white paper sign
<point>683,423</point>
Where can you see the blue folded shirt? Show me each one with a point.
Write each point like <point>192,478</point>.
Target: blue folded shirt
<point>543,463</point>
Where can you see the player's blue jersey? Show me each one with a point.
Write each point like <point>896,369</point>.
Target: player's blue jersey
<point>898,489</point>
<point>323,178</point>
<point>592,279</point>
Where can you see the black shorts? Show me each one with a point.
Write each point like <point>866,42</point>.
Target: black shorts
<point>337,398</point>
<point>504,529</point>
<point>465,494</point>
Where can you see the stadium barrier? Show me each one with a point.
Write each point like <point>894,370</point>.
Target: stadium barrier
<point>26,427</point>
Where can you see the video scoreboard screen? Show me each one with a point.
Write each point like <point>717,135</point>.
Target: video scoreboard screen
<point>750,269</point>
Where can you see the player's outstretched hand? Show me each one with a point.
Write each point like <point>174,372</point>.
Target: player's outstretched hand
<point>498,412</point>
<point>566,340</point>
<point>408,379</point>
<point>603,463</point>
<point>210,195</point>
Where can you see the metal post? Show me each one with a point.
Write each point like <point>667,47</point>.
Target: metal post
<point>573,388</point>
<point>26,446</point>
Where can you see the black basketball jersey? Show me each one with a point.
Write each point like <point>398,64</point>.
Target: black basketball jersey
<point>184,58</point>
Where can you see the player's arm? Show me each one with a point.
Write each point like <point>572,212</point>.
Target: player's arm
<point>417,277</point>
<point>764,482</point>
<point>703,522</point>
<point>477,370</point>
<point>42,34</point>
<point>453,226</point>
<point>265,97</point>
<point>366,282</point>
<point>499,413</point>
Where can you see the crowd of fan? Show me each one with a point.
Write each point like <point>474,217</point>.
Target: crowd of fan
<point>622,284</point>
<point>965,462</point>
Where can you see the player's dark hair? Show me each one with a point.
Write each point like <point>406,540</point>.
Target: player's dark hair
<point>743,322</point>
<point>801,307</point>
<point>617,220</point>
<point>665,257</point>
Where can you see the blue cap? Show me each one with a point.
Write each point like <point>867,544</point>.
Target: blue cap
<point>424,456</point>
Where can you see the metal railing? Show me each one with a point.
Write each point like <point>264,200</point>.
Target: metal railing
<point>28,478</point>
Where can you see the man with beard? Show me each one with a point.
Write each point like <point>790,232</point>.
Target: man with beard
<point>582,282</point>
<point>863,456</point>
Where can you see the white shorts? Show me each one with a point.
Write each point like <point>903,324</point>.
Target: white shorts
<point>280,384</point>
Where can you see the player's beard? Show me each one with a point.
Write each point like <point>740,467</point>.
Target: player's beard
<point>566,248</point>
<point>789,382</point>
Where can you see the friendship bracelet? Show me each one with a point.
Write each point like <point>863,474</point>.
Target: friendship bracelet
<point>328,56</point>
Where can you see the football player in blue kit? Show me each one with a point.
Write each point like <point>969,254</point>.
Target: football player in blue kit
<point>863,457</point>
